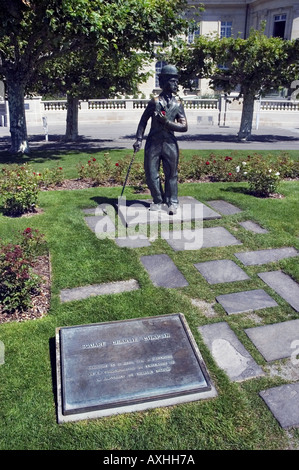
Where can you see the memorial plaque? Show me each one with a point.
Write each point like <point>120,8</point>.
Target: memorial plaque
<point>131,365</point>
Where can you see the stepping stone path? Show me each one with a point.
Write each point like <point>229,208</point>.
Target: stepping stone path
<point>283,401</point>
<point>219,271</point>
<point>246,301</point>
<point>138,241</point>
<point>278,341</point>
<point>225,208</point>
<point>251,258</point>
<point>100,224</point>
<point>229,352</point>
<point>253,227</point>
<point>284,286</point>
<point>80,293</point>
<point>137,212</point>
<point>199,238</point>
<point>163,272</point>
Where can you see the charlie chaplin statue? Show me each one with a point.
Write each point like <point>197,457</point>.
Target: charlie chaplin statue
<point>168,116</point>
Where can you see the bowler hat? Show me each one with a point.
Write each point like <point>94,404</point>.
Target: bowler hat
<point>169,70</point>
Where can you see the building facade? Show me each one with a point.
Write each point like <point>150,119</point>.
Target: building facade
<point>236,18</point>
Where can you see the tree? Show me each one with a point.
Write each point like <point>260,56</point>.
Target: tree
<point>34,32</point>
<point>254,65</point>
<point>90,72</point>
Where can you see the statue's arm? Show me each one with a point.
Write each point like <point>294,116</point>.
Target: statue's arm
<point>180,125</point>
<point>142,125</point>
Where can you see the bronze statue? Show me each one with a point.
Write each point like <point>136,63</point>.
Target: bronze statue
<point>168,116</point>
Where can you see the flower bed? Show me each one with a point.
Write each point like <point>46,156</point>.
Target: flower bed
<point>262,174</point>
<point>20,264</point>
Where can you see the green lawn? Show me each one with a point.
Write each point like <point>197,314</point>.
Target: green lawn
<point>236,419</point>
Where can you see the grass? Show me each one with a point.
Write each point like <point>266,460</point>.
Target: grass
<point>236,419</point>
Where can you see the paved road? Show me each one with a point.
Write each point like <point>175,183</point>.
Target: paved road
<point>119,135</point>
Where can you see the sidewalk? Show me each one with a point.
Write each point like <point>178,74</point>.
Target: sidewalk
<point>121,135</point>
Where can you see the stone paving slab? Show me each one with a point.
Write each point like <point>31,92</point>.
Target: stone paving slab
<point>80,293</point>
<point>253,227</point>
<point>137,241</point>
<point>188,239</point>
<point>246,301</point>
<point>219,271</point>
<point>100,224</point>
<point>224,207</point>
<point>94,211</point>
<point>229,353</point>
<point>163,272</point>
<point>284,285</point>
<point>137,212</point>
<point>283,402</point>
<point>275,341</point>
<point>250,258</point>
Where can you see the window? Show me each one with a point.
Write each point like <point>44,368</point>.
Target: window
<point>279,25</point>
<point>158,69</point>
<point>192,35</point>
<point>226,29</point>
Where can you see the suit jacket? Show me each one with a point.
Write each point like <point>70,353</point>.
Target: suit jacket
<point>176,119</point>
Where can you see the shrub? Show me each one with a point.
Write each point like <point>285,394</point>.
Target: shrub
<point>106,172</point>
<point>99,172</point>
<point>262,176</point>
<point>18,282</point>
<point>33,243</point>
<point>19,189</point>
<point>50,177</point>
<point>287,167</point>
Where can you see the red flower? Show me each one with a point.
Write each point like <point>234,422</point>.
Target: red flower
<point>94,159</point>
<point>116,164</point>
<point>207,163</point>
<point>27,230</point>
<point>230,174</point>
<point>228,158</point>
<point>60,168</point>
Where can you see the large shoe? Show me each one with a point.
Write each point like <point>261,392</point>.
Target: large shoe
<point>155,207</point>
<point>172,209</point>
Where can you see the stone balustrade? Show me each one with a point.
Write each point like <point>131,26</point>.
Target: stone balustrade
<point>201,103</point>
<point>110,104</point>
<point>201,111</point>
<point>279,105</point>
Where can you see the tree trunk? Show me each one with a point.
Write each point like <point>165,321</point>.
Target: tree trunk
<point>247,117</point>
<point>71,134</point>
<point>17,118</point>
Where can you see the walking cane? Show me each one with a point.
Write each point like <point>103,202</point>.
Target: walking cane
<point>128,172</point>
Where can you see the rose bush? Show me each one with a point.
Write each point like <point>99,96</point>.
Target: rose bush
<point>263,178</point>
<point>19,190</point>
<point>18,282</point>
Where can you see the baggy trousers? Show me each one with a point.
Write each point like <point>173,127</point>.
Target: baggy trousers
<point>162,150</point>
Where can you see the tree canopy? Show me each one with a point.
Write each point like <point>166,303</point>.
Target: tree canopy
<point>35,32</point>
<point>252,66</point>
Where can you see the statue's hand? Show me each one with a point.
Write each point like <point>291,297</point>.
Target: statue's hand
<point>137,145</point>
<point>161,116</point>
